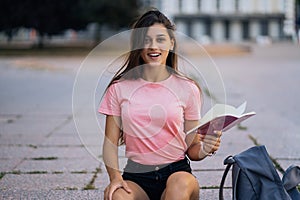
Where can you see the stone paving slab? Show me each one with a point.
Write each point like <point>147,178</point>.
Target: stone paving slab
<point>281,140</point>
<point>68,129</point>
<point>63,152</point>
<point>52,194</point>
<point>81,194</point>
<point>8,165</point>
<point>62,140</point>
<point>209,163</point>
<point>12,152</point>
<point>213,194</point>
<point>74,165</point>
<point>21,139</point>
<point>211,178</point>
<point>32,126</point>
<point>36,182</point>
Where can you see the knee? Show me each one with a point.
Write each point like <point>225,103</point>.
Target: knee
<point>120,195</point>
<point>117,196</point>
<point>182,180</point>
<point>182,185</point>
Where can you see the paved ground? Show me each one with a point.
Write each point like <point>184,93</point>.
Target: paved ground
<point>44,156</point>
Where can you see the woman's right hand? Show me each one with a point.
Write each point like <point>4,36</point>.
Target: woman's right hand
<point>114,185</point>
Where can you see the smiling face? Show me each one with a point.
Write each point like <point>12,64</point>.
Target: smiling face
<point>157,44</point>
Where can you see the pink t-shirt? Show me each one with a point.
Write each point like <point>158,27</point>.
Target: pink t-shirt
<point>153,115</point>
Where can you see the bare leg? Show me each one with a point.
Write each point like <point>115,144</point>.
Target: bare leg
<point>181,185</point>
<point>137,193</point>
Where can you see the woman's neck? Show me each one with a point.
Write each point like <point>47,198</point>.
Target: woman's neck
<point>155,74</point>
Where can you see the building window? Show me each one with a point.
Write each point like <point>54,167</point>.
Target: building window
<point>218,6</point>
<point>236,5</point>
<point>180,3</point>
<point>227,29</point>
<point>246,35</point>
<point>264,28</point>
<point>207,25</point>
<point>199,5</point>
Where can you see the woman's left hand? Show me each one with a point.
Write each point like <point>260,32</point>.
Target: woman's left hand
<point>210,142</point>
<point>202,144</point>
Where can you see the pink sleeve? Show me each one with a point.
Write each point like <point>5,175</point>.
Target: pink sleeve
<point>110,104</point>
<point>193,105</point>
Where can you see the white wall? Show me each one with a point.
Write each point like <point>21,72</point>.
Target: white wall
<point>209,6</point>
<point>274,30</point>
<point>181,27</point>
<point>245,6</point>
<point>198,30</point>
<point>254,29</point>
<point>190,6</point>
<point>227,6</point>
<point>169,9</point>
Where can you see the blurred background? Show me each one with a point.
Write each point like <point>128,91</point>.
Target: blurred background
<point>27,24</point>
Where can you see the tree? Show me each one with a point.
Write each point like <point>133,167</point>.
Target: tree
<point>53,16</point>
<point>115,13</point>
<point>298,15</point>
<point>9,17</point>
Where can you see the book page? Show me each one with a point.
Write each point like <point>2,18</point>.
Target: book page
<point>223,117</point>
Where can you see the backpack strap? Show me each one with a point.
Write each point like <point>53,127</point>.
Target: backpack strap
<point>291,179</point>
<point>235,176</point>
<point>229,161</point>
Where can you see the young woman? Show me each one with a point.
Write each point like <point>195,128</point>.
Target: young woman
<point>149,105</point>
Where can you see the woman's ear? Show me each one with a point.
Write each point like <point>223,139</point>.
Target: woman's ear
<point>172,44</point>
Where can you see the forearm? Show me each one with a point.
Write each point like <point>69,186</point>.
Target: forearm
<point>110,157</point>
<point>110,146</point>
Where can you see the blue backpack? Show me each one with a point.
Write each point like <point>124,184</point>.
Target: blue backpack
<point>254,177</point>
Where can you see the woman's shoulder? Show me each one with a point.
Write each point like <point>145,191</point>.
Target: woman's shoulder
<point>123,83</point>
<point>186,81</point>
<point>187,85</point>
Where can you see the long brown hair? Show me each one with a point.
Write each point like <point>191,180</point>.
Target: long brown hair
<point>133,66</point>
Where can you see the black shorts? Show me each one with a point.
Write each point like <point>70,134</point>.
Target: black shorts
<point>153,178</point>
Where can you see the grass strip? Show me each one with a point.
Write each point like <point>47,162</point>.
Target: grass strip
<point>2,174</point>
<point>91,185</point>
<point>45,158</point>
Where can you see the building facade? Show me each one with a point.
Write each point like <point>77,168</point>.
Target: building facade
<point>230,20</point>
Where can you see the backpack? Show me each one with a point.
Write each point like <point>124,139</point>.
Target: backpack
<point>254,177</point>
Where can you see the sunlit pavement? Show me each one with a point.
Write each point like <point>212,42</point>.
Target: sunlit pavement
<point>44,156</point>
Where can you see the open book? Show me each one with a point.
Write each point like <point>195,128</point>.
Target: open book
<point>222,117</point>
